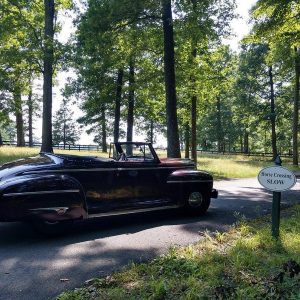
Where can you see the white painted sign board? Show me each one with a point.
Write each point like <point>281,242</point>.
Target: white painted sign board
<point>276,178</point>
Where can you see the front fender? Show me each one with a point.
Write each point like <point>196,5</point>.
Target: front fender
<point>190,176</point>
<point>182,182</point>
<point>47,197</point>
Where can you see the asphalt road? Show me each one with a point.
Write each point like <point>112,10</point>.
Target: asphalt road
<point>34,267</point>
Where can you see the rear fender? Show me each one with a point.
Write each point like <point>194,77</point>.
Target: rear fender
<point>48,197</point>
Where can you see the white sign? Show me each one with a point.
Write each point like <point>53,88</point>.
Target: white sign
<point>276,179</point>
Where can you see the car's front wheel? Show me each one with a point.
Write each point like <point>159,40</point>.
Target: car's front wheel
<point>197,202</point>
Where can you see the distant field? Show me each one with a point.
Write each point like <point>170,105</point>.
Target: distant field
<point>221,166</point>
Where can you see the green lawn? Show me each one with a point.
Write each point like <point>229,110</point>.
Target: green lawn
<point>220,166</point>
<point>244,263</point>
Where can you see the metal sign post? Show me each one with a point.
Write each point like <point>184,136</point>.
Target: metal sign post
<point>276,179</point>
<point>276,206</point>
<point>276,214</point>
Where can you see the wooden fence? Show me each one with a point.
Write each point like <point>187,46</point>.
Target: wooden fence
<point>60,146</point>
<point>98,148</point>
<point>262,154</point>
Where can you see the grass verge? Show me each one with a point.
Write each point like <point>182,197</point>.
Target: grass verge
<point>243,263</point>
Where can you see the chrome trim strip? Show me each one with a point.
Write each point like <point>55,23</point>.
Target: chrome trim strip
<point>41,193</point>
<point>188,181</point>
<point>125,212</point>
<point>104,169</point>
<point>57,209</point>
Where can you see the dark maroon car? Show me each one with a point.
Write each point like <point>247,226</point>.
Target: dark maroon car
<point>52,190</point>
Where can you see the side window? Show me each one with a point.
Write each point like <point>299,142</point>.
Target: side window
<point>148,154</point>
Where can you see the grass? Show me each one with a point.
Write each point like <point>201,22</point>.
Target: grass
<point>243,263</point>
<point>220,166</point>
<point>10,153</point>
<point>237,166</point>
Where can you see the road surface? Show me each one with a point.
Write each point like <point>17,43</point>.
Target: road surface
<point>34,267</point>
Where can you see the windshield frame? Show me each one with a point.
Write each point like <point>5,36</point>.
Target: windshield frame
<point>117,149</point>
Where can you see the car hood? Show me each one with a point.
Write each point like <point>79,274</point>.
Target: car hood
<point>50,161</point>
<point>177,162</point>
<point>26,164</point>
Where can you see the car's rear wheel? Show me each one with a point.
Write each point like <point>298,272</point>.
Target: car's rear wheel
<point>197,202</point>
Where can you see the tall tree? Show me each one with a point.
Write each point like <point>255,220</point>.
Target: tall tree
<point>48,73</point>
<point>277,23</point>
<point>273,115</point>
<point>118,97</point>
<point>198,34</point>
<point>19,118</point>
<point>170,83</point>
<point>130,113</point>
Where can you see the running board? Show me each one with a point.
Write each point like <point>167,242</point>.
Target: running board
<point>125,212</point>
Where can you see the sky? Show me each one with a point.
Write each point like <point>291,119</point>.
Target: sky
<point>240,28</point>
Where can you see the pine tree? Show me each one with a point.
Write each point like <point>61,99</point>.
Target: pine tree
<point>65,129</point>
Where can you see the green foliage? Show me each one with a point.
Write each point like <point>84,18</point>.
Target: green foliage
<point>276,24</point>
<point>22,44</point>
<point>111,33</point>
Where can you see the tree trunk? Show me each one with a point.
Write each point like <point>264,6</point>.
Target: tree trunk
<point>170,85</point>
<point>30,112</point>
<point>194,128</point>
<point>19,119</point>
<point>130,115</point>
<point>48,71</point>
<point>103,129</point>
<point>219,126</point>
<point>119,85</point>
<point>194,97</point>
<point>246,142</point>
<point>194,114</point>
<point>273,117</point>
<point>1,141</point>
<point>64,133</point>
<point>187,140</point>
<point>296,107</point>
<point>151,131</point>
<point>241,143</point>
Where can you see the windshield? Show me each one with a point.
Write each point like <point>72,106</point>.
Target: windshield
<point>132,152</point>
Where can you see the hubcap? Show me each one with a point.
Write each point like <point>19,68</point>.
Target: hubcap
<point>195,199</point>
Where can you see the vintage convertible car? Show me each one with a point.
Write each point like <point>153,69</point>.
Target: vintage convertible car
<point>51,190</point>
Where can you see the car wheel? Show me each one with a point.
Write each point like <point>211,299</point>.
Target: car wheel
<point>197,202</point>
<point>52,228</point>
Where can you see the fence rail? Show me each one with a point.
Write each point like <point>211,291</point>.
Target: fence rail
<point>59,146</point>
<point>98,148</point>
<point>263,154</point>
